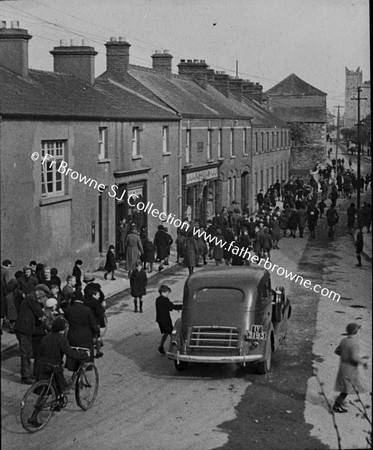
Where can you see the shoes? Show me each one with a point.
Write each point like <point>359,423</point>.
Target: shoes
<point>160,268</point>
<point>161,350</point>
<point>113,278</point>
<point>27,380</point>
<point>99,354</point>
<point>166,264</point>
<point>339,409</point>
<point>105,276</point>
<point>359,265</point>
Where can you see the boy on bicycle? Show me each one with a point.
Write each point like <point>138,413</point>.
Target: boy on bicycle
<point>52,348</point>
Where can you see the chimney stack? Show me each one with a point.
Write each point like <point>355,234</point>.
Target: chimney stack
<point>248,90</point>
<point>78,60</point>
<point>222,83</point>
<point>258,92</point>
<point>235,87</point>
<point>196,70</point>
<point>162,62</point>
<point>14,48</point>
<point>211,76</point>
<point>117,57</point>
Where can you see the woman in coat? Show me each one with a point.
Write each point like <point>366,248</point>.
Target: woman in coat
<point>134,250</point>
<point>293,222</point>
<point>349,378</point>
<point>275,231</point>
<point>138,282</point>
<point>161,241</point>
<point>149,254</point>
<point>302,217</point>
<point>191,252</point>
<point>111,264</point>
<point>218,251</point>
<point>284,220</point>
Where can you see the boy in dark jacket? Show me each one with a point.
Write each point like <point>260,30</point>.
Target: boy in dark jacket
<point>138,282</point>
<point>163,307</point>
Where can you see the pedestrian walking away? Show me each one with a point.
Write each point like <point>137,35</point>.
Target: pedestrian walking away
<point>359,245</point>
<point>350,379</point>
<point>163,306</point>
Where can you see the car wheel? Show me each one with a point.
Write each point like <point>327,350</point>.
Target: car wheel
<point>264,367</point>
<point>181,365</point>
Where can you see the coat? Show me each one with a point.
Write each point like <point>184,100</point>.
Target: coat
<point>29,315</point>
<point>163,306</point>
<point>82,325</point>
<point>191,252</point>
<point>349,373</point>
<point>161,241</point>
<point>96,307</point>
<point>134,250</point>
<point>302,216</point>
<point>218,251</point>
<point>110,261</point>
<point>149,252</point>
<point>293,220</point>
<point>138,282</point>
<point>266,241</point>
<point>27,285</point>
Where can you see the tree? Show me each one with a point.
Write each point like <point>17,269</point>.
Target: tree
<point>349,135</point>
<point>298,133</point>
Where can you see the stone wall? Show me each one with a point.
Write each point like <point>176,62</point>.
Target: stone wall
<point>305,158</point>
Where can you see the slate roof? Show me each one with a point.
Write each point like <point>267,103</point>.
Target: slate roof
<point>181,94</point>
<point>293,85</point>
<point>53,95</point>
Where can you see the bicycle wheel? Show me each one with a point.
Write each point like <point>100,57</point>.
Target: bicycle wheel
<point>37,406</point>
<point>86,386</point>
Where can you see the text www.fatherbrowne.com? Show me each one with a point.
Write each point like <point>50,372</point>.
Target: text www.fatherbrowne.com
<point>245,253</point>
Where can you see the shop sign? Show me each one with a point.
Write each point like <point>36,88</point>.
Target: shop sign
<point>207,174</point>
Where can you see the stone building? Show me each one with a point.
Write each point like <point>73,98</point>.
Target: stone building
<point>69,206</point>
<point>354,79</point>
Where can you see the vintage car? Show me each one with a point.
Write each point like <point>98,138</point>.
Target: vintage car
<point>230,315</point>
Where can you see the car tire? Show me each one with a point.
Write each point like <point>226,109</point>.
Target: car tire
<point>264,367</point>
<point>181,365</point>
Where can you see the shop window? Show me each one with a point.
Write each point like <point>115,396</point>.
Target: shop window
<point>102,143</point>
<point>52,181</point>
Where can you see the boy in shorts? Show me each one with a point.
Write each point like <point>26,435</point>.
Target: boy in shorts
<point>163,306</point>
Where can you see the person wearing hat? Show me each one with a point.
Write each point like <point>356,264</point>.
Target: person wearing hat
<point>138,282</point>
<point>29,317</point>
<point>349,378</point>
<point>52,348</point>
<point>5,277</point>
<point>161,241</point>
<point>163,306</point>
<point>50,312</point>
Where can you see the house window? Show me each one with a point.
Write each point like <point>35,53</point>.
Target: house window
<point>256,142</point>
<point>135,142</point>
<point>282,139</point>
<point>256,182</point>
<point>102,143</point>
<point>261,179</point>
<point>231,142</point>
<point>165,140</point>
<point>209,140</point>
<point>273,140</point>
<point>220,143</point>
<point>262,141</point>
<point>188,147</point>
<point>165,194</point>
<point>277,139</point>
<point>52,181</point>
<point>244,142</point>
<point>267,138</point>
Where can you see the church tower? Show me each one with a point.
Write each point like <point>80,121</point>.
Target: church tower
<point>354,78</point>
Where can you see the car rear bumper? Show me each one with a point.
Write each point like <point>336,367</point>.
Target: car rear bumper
<point>215,359</point>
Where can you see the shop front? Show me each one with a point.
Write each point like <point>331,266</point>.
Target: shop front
<point>201,193</point>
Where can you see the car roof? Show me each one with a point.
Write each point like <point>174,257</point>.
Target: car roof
<point>246,277</point>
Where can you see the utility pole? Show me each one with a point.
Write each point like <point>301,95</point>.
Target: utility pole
<point>337,140</point>
<point>358,98</point>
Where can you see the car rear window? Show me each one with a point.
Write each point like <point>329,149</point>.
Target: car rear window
<point>219,295</point>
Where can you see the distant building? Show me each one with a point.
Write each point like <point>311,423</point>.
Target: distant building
<point>354,79</point>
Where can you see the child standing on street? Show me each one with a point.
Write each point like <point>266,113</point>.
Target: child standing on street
<point>138,282</point>
<point>111,264</point>
<point>163,306</point>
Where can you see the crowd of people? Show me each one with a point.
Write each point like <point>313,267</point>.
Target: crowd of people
<point>34,299</point>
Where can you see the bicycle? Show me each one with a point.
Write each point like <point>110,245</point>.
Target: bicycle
<point>42,399</point>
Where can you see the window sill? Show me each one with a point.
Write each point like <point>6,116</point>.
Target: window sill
<point>166,153</point>
<point>210,161</point>
<point>188,164</point>
<point>52,200</point>
<point>220,158</point>
<point>232,156</point>
<point>137,157</point>
<point>104,161</point>
<point>245,154</point>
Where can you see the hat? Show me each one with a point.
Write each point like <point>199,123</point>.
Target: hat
<point>352,328</point>
<point>88,277</point>
<point>6,262</point>
<point>51,302</point>
<point>26,268</point>
<point>44,288</point>
<point>59,324</point>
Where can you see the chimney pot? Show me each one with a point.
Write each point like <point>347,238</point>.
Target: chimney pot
<point>189,61</point>
<point>2,24</point>
<point>166,51</point>
<point>63,43</point>
<point>113,39</point>
<point>14,48</point>
<point>14,24</point>
<point>122,39</point>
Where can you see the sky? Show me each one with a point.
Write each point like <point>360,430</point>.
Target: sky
<point>270,39</point>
